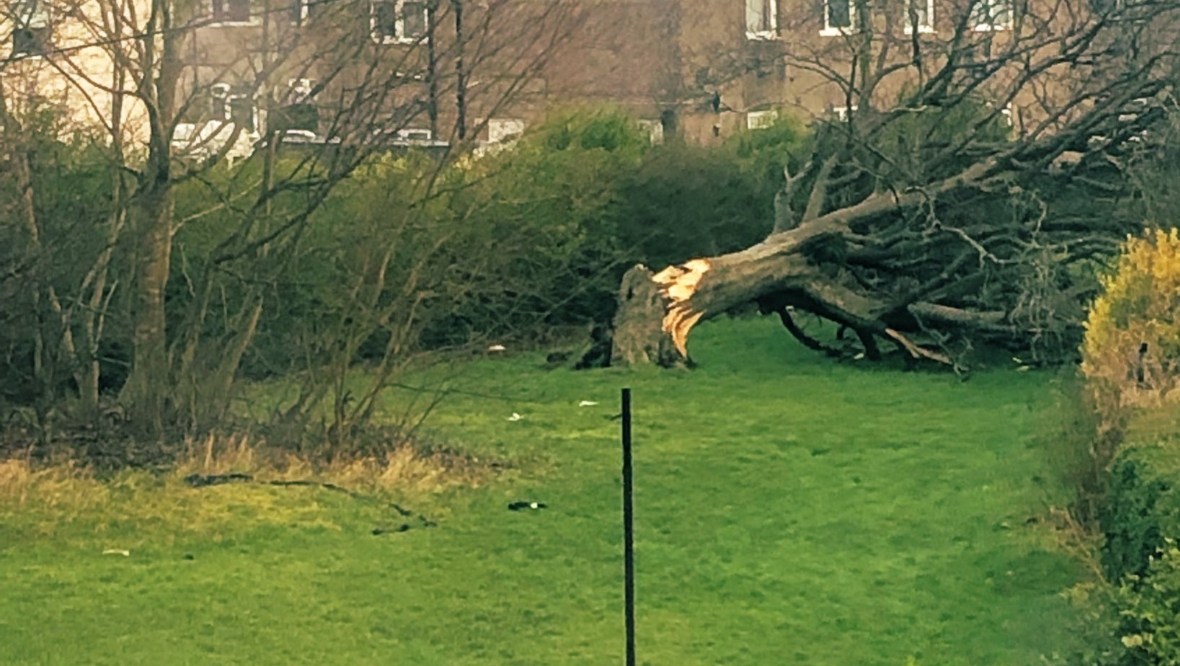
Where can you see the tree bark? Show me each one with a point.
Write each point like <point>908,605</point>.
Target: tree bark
<point>148,384</point>
<point>639,336</point>
<point>657,311</point>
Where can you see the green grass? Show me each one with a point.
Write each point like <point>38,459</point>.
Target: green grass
<point>789,510</point>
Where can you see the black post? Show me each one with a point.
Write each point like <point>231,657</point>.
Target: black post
<point>628,532</point>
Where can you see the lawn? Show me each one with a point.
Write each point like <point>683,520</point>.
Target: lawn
<point>790,509</point>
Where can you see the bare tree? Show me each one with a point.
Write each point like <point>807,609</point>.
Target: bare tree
<point>953,195</point>
<point>180,88</point>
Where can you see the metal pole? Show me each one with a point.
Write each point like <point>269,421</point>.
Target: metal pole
<point>628,532</point>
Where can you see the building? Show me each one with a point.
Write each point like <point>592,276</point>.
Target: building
<point>427,70</point>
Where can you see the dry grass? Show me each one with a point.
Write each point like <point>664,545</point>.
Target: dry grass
<point>403,469</point>
<point>137,505</point>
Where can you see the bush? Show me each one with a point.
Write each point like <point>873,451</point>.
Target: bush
<point>1150,611</point>
<point>71,185</point>
<point>1131,350</point>
<point>1132,615</point>
<point>515,244</point>
<point>1139,510</point>
<point>686,201</point>
<point>1131,359</point>
<point>1081,446</point>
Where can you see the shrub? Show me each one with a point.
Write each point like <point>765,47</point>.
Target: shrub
<point>687,201</point>
<point>1132,616</point>
<point>1133,517</point>
<point>1150,611</point>
<point>1132,345</point>
<point>1081,447</point>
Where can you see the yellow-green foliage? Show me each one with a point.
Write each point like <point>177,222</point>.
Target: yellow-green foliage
<point>1140,304</point>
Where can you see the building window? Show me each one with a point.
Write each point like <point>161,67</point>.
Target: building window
<point>761,119</point>
<point>761,19</point>
<point>302,11</point>
<point>414,134</point>
<point>30,34</point>
<point>919,14</point>
<point>230,11</point>
<point>839,17</point>
<point>301,90</point>
<point>843,113</point>
<point>234,106</point>
<point>299,113</point>
<point>299,12</point>
<point>989,15</point>
<point>398,21</point>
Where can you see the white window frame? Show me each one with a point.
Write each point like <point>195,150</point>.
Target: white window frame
<point>925,26</point>
<point>304,12</point>
<point>415,134</point>
<point>841,112</point>
<point>222,93</point>
<point>756,120</point>
<point>301,90</point>
<point>835,31</point>
<point>34,17</point>
<point>985,15</point>
<point>755,30</point>
<point>255,18</point>
<point>399,22</point>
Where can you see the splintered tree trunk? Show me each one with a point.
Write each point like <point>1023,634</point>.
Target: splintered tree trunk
<point>658,311</point>
<point>639,335</point>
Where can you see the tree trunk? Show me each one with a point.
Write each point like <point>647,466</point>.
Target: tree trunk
<point>148,384</point>
<point>639,335</point>
<point>658,311</point>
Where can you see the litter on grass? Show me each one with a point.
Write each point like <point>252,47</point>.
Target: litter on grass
<point>587,403</point>
<point>117,551</point>
<point>515,417</point>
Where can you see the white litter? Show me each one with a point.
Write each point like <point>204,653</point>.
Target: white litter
<point>587,403</point>
<point>858,356</point>
<point>117,551</point>
<point>496,348</point>
<point>515,417</point>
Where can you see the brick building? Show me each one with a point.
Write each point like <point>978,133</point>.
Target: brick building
<point>488,68</point>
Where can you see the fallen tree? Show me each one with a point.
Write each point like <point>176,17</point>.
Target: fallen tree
<point>936,223</point>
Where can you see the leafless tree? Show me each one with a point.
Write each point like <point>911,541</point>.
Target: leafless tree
<point>168,68</point>
<point>972,167</point>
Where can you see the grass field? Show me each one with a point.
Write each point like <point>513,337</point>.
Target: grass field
<point>789,510</point>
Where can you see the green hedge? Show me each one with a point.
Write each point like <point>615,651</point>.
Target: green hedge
<point>532,238</point>
<point>513,245</point>
<point>1139,511</point>
<point>1141,523</point>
